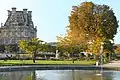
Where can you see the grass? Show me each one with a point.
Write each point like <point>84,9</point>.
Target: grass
<point>39,62</point>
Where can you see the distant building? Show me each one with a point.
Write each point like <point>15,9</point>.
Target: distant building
<point>116,45</point>
<point>52,43</point>
<point>18,26</point>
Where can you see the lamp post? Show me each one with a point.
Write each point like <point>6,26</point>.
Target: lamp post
<point>101,58</point>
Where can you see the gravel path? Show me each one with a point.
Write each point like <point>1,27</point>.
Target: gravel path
<point>112,64</point>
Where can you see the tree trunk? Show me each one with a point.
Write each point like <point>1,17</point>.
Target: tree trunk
<point>109,57</point>
<point>72,58</point>
<point>34,56</point>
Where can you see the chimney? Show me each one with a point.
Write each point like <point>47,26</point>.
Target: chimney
<point>13,10</point>
<point>9,12</point>
<point>25,16</point>
<point>25,11</point>
<point>30,13</point>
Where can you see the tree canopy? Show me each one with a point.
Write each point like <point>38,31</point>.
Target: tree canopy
<point>117,49</point>
<point>32,46</point>
<point>89,22</point>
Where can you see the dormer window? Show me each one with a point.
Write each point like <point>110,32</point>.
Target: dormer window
<point>17,14</point>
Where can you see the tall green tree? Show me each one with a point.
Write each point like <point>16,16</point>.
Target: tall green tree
<point>89,22</point>
<point>32,46</point>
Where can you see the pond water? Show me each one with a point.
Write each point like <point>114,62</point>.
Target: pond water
<point>60,75</point>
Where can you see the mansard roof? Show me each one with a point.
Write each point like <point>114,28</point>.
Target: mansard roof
<point>20,17</point>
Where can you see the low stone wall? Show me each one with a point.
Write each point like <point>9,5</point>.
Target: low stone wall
<point>50,67</point>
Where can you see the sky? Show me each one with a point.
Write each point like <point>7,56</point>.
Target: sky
<point>51,16</point>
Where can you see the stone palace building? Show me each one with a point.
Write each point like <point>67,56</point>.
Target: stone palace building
<point>18,26</point>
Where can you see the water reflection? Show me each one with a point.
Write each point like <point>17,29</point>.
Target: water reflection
<point>17,75</point>
<point>59,75</point>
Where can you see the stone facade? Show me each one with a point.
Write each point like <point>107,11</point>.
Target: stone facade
<point>18,26</point>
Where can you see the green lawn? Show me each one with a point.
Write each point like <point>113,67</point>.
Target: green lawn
<point>30,62</point>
